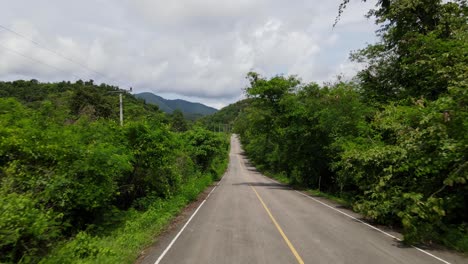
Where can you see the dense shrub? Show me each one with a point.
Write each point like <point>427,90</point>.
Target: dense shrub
<point>395,141</point>
<point>67,167</point>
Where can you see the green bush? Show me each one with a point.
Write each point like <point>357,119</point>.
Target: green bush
<point>67,170</point>
<point>26,228</point>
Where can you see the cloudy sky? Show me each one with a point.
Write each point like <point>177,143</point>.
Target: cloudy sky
<point>198,50</point>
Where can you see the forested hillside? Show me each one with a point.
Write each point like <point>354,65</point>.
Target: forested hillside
<point>395,141</point>
<point>155,100</point>
<point>70,174</point>
<point>191,110</point>
<point>225,117</point>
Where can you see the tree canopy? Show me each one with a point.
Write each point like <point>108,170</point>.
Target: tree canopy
<point>68,167</point>
<point>393,142</point>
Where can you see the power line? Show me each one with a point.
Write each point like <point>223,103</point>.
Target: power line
<point>35,60</point>
<point>56,68</point>
<point>57,53</point>
<point>16,33</point>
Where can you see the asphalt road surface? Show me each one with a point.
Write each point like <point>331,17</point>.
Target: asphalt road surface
<point>249,218</point>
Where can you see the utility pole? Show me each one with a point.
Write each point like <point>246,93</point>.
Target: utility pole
<point>121,109</point>
<point>120,92</point>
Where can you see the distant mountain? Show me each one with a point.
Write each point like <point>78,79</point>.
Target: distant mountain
<point>189,109</point>
<point>155,99</point>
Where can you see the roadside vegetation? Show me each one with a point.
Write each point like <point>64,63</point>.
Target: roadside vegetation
<point>393,142</point>
<point>224,119</point>
<point>77,184</point>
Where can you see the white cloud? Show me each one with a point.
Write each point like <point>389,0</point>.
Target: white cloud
<point>194,49</point>
<point>212,14</point>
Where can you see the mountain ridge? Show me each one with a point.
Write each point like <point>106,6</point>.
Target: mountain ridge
<point>168,106</point>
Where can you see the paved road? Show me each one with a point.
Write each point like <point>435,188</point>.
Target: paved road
<point>249,218</point>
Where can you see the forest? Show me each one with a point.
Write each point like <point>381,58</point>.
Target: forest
<point>70,174</point>
<point>77,187</point>
<point>394,140</point>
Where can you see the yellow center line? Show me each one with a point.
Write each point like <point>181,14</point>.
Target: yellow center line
<point>290,245</point>
<point>280,230</point>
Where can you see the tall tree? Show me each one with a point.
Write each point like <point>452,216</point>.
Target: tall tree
<point>422,45</point>
<point>178,122</point>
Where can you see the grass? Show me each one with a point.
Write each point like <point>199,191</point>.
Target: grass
<point>285,180</point>
<point>139,229</point>
<point>340,200</point>
<point>456,237</point>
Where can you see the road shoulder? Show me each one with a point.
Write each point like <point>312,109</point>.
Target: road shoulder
<point>151,253</point>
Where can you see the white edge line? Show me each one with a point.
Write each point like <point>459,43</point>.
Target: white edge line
<point>183,228</point>
<point>348,215</point>
<point>362,222</point>
<point>432,255</point>
<point>211,192</point>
